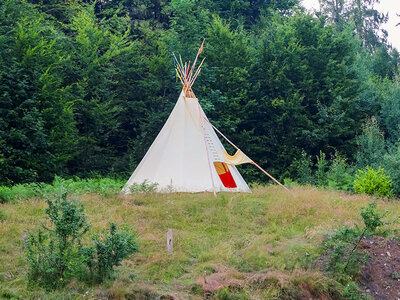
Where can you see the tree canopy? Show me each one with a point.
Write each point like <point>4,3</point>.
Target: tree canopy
<point>85,86</point>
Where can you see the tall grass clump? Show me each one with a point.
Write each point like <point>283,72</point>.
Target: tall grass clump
<point>2,216</point>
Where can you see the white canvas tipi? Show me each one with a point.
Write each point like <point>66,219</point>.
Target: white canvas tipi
<point>187,155</point>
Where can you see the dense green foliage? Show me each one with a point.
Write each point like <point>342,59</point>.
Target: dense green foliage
<point>102,186</point>
<point>86,86</point>
<point>56,254</point>
<point>373,182</point>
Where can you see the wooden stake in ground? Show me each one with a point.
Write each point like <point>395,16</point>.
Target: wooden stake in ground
<point>24,238</point>
<point>170,242</point>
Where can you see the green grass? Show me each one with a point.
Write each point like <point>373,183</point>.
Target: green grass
<point>263,243</point>
<point>102,186</point>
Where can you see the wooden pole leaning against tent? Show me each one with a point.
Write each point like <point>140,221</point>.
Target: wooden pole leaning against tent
<point>252,162</point>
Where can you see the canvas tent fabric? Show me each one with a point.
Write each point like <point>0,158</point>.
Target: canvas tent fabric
<point>237,159</point>
<point>187,156</point>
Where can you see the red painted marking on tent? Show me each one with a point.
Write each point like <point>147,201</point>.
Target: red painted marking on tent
<point>224,174</point>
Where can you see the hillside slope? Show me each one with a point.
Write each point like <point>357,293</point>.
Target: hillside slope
<point>260,245</point>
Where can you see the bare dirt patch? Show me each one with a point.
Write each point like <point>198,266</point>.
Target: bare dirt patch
<point>381,275</point>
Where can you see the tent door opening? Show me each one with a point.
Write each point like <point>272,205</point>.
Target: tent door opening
<point>224,174</point>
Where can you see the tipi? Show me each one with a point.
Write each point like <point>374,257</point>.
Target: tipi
<point>187,155</point>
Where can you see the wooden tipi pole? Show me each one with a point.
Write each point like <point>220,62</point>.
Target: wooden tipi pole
<point>237,148</point>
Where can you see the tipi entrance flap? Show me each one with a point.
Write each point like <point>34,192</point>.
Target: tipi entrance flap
<point>225,174</point>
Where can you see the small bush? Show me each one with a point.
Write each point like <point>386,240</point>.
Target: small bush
<point>371,144</point>
<point>56,255</point>
<point>98,185</point>
<point>108,252</point>
<point>4,194</point>
<point>321,172</point>
<point>342,261</point>
<point>304,172</point>
<point>289,183</point>
<point>391,163</point>
<point>339,175</point>
<point>371,218</point>
<point>352,292</point>
<point>373,182</point>
<point>344,258</point>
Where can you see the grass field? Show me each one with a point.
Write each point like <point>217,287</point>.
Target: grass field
<point>261,245</point>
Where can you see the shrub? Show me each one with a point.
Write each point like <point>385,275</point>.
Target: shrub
<point>391,163</point>
<point>56,254</point>
<point>371,218</point>
<point>289,183</point>
<point>102,186</point>
<point>108,252</point>
<point>342,261</point>
<point>4,194</point>
<point>339,176</point>
<point>373,182</point>
<point>322,166</point>
<point>344,258</point>
<point>352,292</point>
<point>371,144</point>
<point>304,172</point>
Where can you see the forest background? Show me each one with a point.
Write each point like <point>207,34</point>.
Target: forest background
<point>86,86</point>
